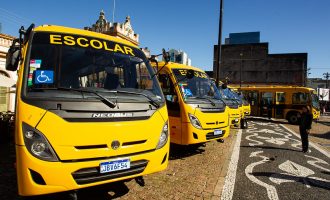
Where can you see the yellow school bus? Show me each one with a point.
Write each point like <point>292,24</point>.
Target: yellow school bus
<point>235,108</point>
<point>89,111</point>
<point>196,112</point>
<point>246,108</point>
<point>282,102</point>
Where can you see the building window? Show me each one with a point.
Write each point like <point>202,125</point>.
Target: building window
<point>300,98</point>
<point>3,99</point>
<point>3,95</point>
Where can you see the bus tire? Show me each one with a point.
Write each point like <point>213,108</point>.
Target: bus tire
<point>244,124</point>
<point>292,117</point>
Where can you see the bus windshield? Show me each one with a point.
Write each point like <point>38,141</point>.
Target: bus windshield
<point>93,64</point>
<point>198,87</point>
<point>315,101</point>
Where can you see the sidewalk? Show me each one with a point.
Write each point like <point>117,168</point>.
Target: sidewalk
<point>320,133</point>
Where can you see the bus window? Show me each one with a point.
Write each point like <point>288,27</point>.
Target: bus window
<point>280,97</point>
<point>252,97</point>
<point>170,95</point>
<point>266,104</point>
<point>279,106</point>
<point>299,98</point>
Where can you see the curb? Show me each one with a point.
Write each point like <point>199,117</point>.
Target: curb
<point>221,181</point>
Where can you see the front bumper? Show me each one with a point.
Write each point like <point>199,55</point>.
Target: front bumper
<point>66,176</point>
<point>192,135</point>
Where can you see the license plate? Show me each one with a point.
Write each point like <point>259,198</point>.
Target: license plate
<point>217,132</point>
<point>115,165</point>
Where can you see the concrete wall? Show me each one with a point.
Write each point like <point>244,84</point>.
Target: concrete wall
<point>251,64</point>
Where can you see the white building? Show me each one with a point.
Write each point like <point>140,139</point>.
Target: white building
<point>7,78</point>
<point>179,56</point>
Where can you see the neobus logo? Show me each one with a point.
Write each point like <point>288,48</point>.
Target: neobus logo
<point>111,115</point>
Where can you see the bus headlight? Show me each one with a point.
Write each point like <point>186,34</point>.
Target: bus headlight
<point>194,121</point>
<point>163,136</point>
<point>37,144</point>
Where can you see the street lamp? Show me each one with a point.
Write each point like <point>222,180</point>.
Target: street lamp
<point>326,76</point>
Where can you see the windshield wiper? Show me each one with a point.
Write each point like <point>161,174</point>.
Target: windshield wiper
<point>151,101</point>
<point>105,100</point>
<point>212,102</point>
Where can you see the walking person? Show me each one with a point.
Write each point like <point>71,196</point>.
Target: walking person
<point>305,125</point>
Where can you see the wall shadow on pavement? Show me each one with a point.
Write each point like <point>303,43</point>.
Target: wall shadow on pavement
<point>324,172</point>
<point>324,135</point>
<point>268,120</point>
<point>272,148</point>
<point>310,180</point>
<point>326,123</point>
<point>183,151</point>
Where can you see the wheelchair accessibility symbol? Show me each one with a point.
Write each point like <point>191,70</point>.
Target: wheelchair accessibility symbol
<point>44,76</point>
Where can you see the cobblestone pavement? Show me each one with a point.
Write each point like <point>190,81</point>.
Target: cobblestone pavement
<point>193,173</point>
<point>320,133</point>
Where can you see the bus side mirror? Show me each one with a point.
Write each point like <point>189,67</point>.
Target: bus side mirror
<point>190,74</point>
<point>166,56</point>
<point>12,57</point>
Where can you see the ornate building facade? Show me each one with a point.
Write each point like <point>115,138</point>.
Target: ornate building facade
<point>121,30</point>
<point>7,78</point>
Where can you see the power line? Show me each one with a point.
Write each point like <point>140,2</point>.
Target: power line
<point>11,20</point>
<point>14,15</point>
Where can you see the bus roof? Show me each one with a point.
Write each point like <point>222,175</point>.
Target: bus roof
<point>172,65</point>
<point>282,87</point>
<point>75,31</point>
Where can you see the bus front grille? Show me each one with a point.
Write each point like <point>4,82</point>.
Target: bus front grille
<point>91,175</point>
<point>211,135</point>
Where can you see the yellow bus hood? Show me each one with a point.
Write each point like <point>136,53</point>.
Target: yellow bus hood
<point>76,140</point>
<point>212,120</point>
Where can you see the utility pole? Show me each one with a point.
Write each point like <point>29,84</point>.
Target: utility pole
<point>326,76</point>
<point>218,61</point>
<point>113,11</point>
<point>240,70</point>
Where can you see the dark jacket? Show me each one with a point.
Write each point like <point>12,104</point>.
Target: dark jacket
<point>305,121</point>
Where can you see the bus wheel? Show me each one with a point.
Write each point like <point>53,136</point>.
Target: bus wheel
<point>244,124</point>
<point>292,118</point>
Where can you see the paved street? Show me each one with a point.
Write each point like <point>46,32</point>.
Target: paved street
<point>270,165</point>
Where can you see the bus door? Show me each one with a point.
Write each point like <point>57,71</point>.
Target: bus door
<point>266,104</point>
<point>173,107</point>
<point>280,105</point>
<point>252,97</point>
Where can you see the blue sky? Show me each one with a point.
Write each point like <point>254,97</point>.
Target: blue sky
<point>290,26</point>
